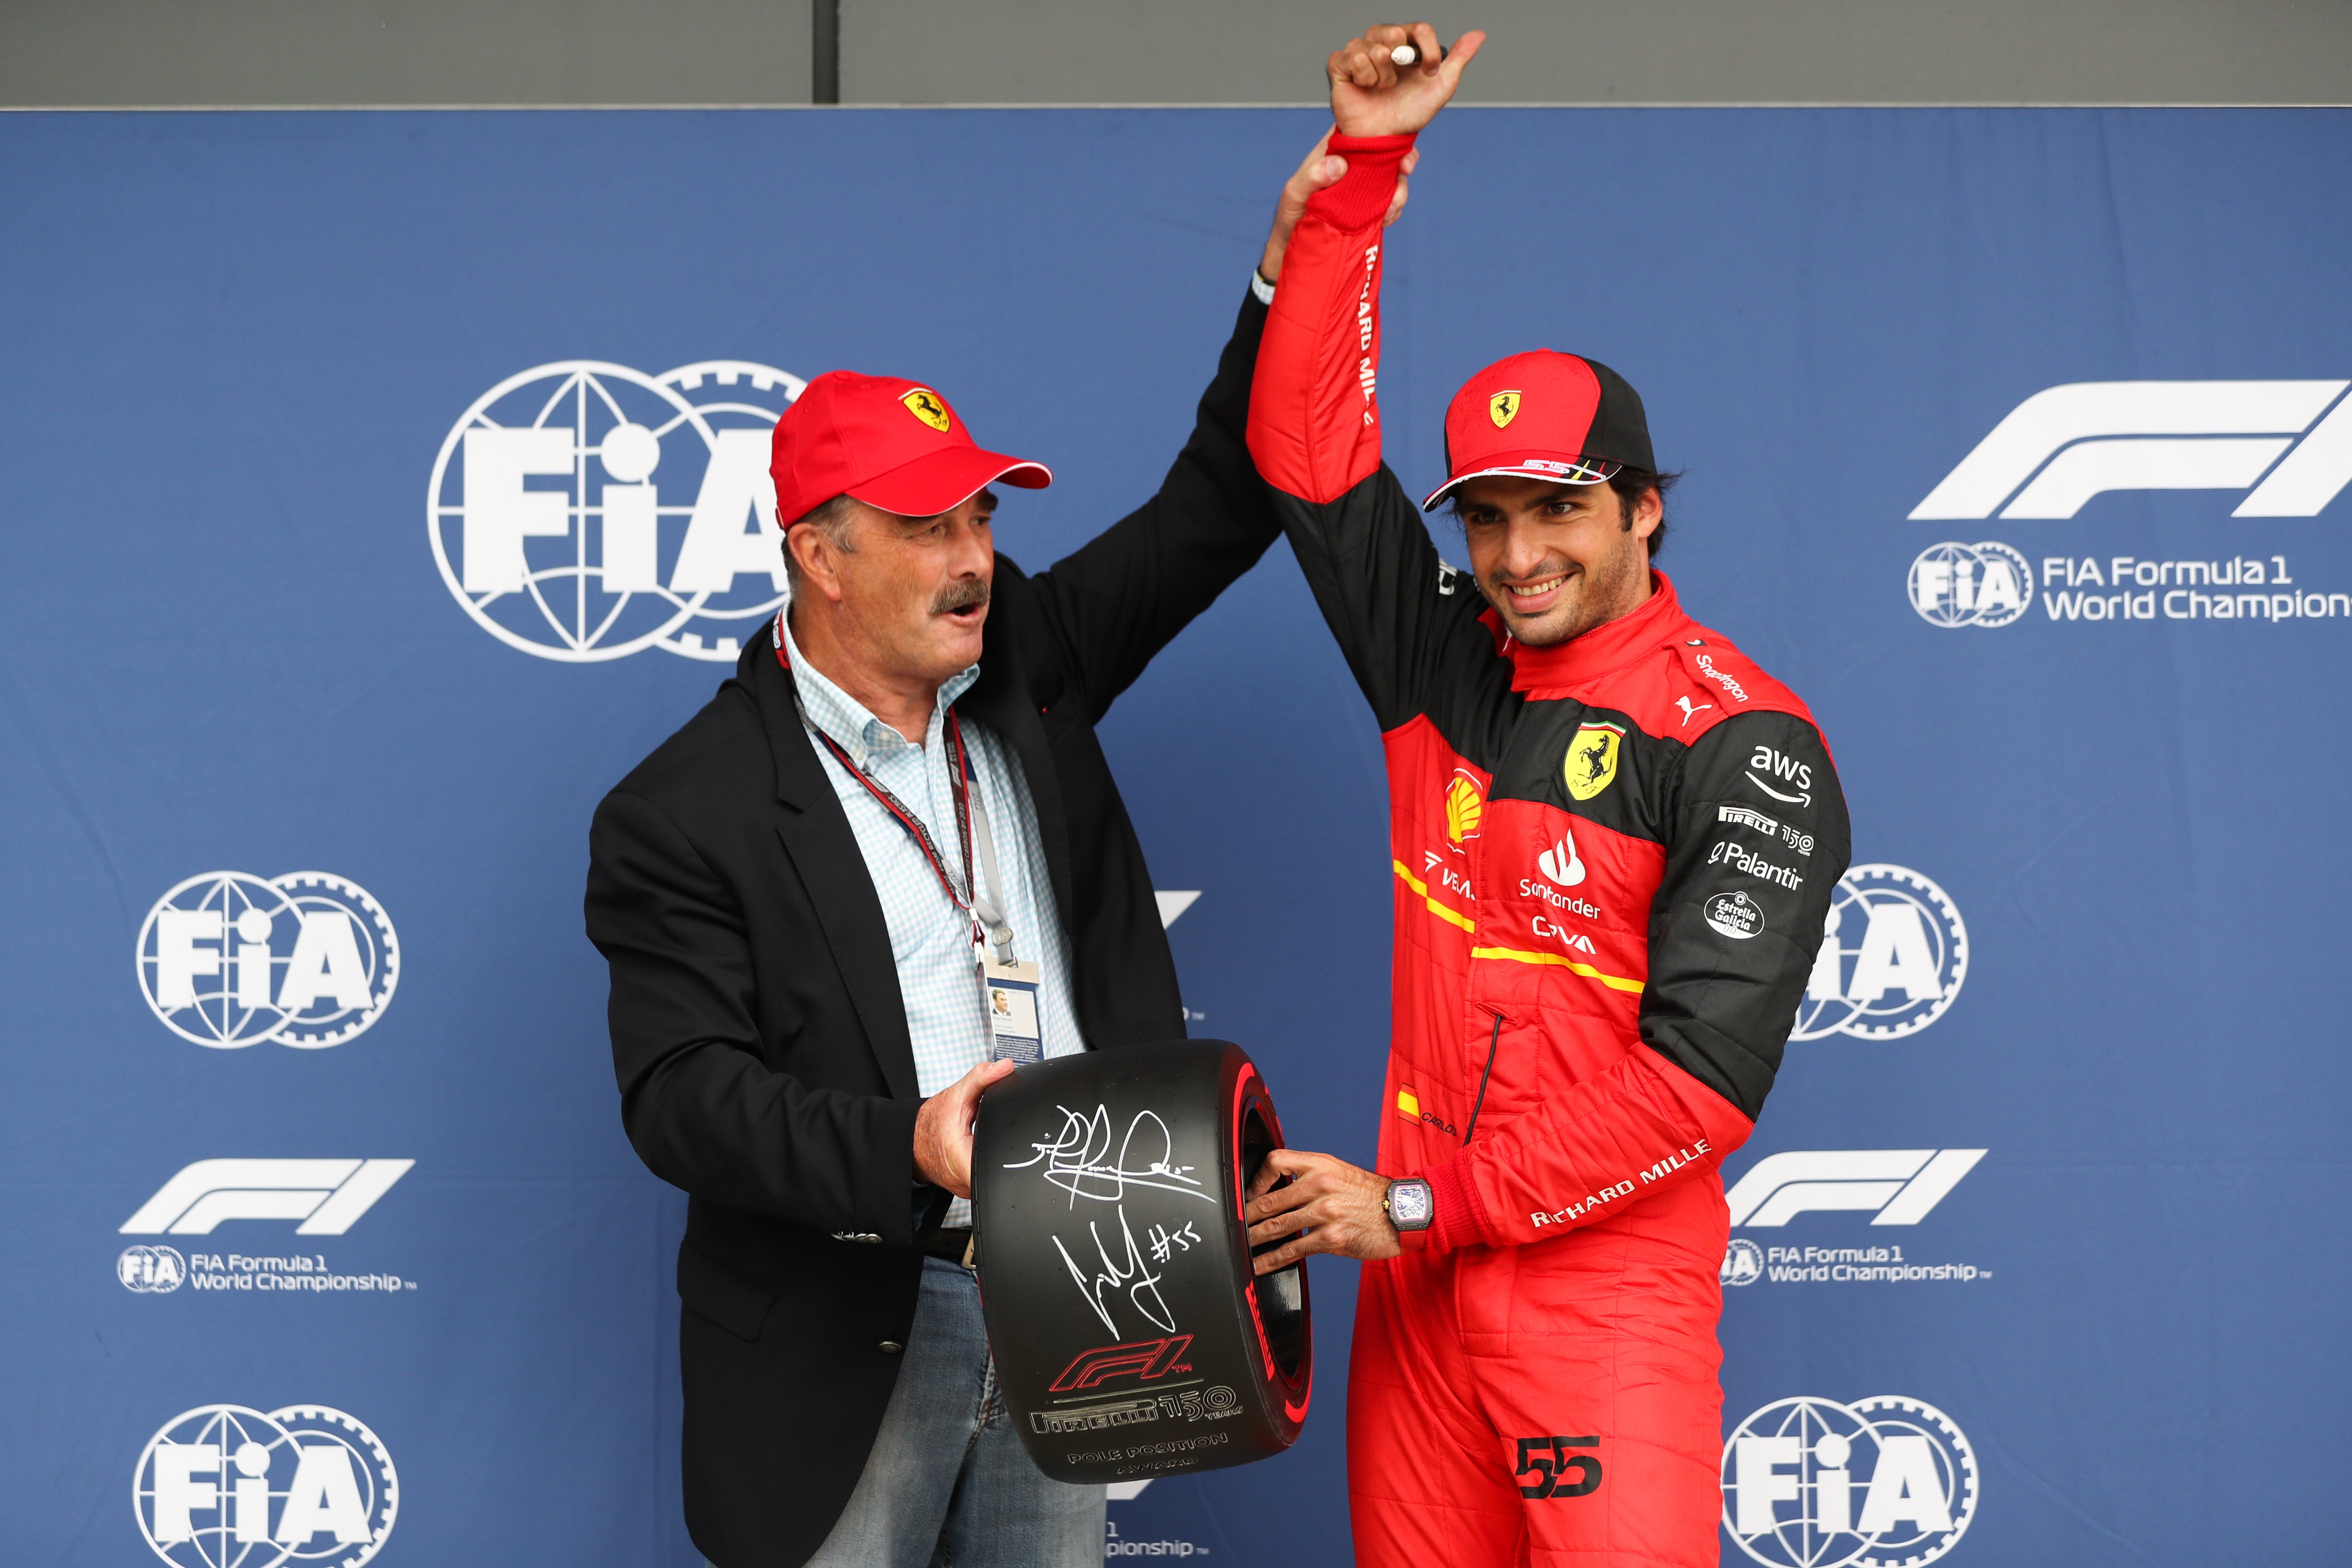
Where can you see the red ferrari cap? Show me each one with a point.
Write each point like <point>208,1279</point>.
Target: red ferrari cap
<point>891,442</point>
<point>1544,415</point>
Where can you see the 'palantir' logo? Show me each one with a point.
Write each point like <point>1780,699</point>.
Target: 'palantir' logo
<point>229,960</point>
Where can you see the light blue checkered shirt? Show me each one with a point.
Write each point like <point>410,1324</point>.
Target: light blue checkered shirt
<point>930,938</point>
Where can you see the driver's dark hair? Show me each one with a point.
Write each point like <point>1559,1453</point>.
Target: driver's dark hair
<point>1629,484</point>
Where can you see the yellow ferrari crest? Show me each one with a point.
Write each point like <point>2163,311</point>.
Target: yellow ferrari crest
<point>925,405</point>
<point>1591,766</point>
<point>1502,407</point>
<point>1463,805</point>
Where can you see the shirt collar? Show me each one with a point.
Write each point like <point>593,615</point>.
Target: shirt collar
<point>851,725</point>
<point>1606,648</point>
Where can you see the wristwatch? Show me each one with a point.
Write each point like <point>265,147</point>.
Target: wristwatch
<point>1409,1205</point>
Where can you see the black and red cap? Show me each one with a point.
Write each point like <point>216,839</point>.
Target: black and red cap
<point>887,441</point>
<point>1544,415</point>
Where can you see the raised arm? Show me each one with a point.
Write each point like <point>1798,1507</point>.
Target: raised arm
<point>1315,418</point>
<point>1123,595</point>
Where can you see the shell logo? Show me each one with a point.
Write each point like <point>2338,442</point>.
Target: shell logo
<point>1465,804</point>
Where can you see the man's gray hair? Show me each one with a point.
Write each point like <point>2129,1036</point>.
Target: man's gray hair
<point>833,519</point>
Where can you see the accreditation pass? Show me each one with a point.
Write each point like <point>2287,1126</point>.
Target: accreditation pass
<point>1010,989</point>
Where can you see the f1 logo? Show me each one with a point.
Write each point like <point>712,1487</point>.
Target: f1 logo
<point>1549,1460</point>
<point>2099,435</point>
<point>1145,1359</point>
<point>326,1195</point>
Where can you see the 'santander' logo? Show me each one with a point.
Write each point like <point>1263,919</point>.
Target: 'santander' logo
<point>2100,436</point>
<point>229,960</point>
<point>584,511</point>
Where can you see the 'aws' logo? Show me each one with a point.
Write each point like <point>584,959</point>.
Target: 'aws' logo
<point>2100,436</point>
<point>1789,773</point>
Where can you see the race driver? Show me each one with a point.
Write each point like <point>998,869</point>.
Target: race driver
<point>1614,841</point>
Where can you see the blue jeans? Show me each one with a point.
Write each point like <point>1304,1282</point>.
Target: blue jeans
<point>948,1484</point>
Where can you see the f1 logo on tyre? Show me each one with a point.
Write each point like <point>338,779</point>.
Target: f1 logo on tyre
<point>1548,1460</point>
<point>2100,436</point>
<point>1143,1358</point>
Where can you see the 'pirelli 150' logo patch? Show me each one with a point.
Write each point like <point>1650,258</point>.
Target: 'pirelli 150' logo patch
<point>1591,766</point>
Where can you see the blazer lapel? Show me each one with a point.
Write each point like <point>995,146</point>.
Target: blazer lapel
<point>816,833</point>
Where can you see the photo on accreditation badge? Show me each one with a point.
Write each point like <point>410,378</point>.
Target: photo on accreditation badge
<point>870,786</point>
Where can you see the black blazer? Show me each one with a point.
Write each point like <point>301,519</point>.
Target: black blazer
<point>758,1034</point>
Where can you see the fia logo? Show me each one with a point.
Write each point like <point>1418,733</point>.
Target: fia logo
<point>1982,584</point>
<point>1812,1483</point>
<point>222,1486</point>
<point>585,511</point>
<point>1892,958</point>
<point>2101,435</point>
<point>229,960</point>
<point>1743,1263</point>
<point>152,1270</point>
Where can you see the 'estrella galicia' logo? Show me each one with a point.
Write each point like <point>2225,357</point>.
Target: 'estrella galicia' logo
<point>1890,962</point>
<point>1883,1481</point>
<point>229,960</point>
<point>222,1486</point>
<point>1984,584</point>
<point>584,511</point>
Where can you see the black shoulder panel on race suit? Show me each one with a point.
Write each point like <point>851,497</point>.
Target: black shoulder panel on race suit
<point>1758,838</point>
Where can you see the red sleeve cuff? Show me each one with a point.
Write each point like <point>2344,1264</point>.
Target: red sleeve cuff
<point>1459,1218</point>
<point>1361,197</point>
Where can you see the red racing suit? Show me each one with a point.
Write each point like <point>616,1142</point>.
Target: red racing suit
<point>1614,859</point>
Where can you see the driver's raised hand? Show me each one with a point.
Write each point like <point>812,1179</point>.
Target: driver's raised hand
<point>1371,94</point>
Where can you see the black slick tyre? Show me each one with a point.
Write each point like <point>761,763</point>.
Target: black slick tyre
<point>1131,1338</point>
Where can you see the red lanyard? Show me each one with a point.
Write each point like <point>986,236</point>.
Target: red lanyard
<point>957,775</point>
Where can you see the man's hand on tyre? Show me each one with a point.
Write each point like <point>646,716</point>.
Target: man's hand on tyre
<point>1341,1208</point>
<point>943,1129</point>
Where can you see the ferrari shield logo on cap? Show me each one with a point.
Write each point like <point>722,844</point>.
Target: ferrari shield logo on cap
<point>925,405</point>
<point>1591,766</point>
<point>1502,407</point>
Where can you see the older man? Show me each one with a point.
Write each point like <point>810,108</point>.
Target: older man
<point>895,808</point>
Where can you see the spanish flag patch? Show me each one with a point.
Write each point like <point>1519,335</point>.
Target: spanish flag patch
<point>1408,1104</point>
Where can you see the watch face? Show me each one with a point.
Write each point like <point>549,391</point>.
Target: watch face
<point>1409,1205</point>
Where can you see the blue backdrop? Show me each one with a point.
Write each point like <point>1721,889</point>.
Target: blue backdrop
<point>237,346</point>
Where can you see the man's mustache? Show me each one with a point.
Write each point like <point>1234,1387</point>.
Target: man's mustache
<point>962,594</point>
